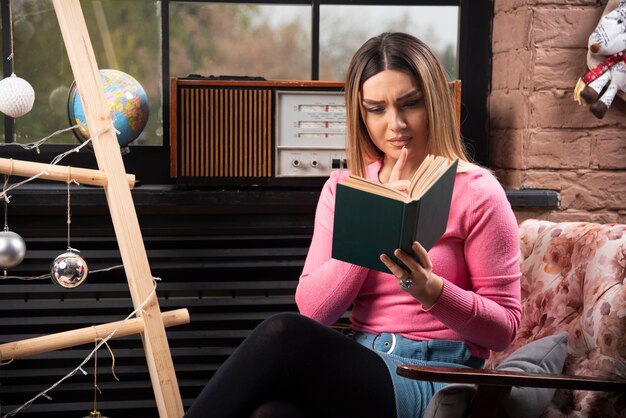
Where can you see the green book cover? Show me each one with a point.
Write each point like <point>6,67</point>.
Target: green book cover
<point>367,224</point>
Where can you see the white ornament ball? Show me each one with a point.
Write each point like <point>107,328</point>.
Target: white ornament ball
<point>16,96</point>
<point>69,270</point>
<point>12,249</point>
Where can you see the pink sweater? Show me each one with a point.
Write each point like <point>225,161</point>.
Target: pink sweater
<point>477,258</point>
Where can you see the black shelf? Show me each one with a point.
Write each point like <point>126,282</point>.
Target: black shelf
<point>218,199</point>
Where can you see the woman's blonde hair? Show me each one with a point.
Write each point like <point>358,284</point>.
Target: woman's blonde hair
<point>401,52</point>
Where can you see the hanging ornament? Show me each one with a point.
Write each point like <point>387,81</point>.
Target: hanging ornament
<point>16,96</point>
<point>12,246</point>
<point>12,249</point>
<point>95,414</point>
<point>69,270</point>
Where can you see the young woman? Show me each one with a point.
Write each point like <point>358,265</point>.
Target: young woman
<point>454,304</point>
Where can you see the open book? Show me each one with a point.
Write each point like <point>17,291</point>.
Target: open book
<point>372,218</point>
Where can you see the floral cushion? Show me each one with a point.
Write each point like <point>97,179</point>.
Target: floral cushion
<point>572,280</point>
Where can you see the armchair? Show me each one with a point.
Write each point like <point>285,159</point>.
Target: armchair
<point>574,323</point>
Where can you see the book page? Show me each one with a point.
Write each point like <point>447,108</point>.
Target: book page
<point>419,173</point>
<point>361,183</point>
<point>427,174</point>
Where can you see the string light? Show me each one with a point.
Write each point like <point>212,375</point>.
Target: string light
<point>5,196</point>
<point>35,145</point>
<point>47,276</point>
<point>55,161</point>
<point>79,368</point>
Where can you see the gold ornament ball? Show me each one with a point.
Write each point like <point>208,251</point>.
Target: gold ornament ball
<point>95,414</point>
<point>69,270</point>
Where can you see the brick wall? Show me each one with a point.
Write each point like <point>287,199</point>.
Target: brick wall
<point>539,136</point>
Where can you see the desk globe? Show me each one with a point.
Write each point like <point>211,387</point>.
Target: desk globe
<point>127,101</point>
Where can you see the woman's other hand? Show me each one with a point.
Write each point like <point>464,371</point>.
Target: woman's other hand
<point>419,280</point>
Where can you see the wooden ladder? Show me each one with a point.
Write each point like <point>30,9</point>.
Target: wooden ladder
<point>112,176</point>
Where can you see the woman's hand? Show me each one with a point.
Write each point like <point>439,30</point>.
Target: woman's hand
<point>419,280</point>
<point>394,178</point>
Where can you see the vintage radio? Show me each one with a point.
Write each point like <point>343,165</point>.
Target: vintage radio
<point>253,131</point>
<point>258,132</point>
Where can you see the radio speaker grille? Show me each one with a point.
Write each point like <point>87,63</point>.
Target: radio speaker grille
<point>224,132</point>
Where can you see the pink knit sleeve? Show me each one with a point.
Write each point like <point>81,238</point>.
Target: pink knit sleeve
<point>327,286</point>
<point>489,313</point>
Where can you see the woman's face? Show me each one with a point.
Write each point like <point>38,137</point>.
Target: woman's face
<point>392,106</point>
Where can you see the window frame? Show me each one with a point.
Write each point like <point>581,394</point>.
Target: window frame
<point>151,165</point>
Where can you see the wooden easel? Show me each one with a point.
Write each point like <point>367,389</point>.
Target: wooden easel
<point>117,184</point>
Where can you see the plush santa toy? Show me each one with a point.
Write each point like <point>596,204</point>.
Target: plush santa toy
<point>607,59</point>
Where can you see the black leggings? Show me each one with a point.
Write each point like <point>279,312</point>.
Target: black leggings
<point>290,367</point>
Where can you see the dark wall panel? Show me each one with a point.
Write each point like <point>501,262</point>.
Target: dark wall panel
<point>232,258</point>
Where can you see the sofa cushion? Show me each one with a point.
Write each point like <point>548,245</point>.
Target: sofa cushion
<point>545,355</point>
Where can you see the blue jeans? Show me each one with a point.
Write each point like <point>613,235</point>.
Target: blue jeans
<point>412,396</point>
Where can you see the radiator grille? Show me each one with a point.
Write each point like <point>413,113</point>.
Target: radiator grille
<point>225,132</point>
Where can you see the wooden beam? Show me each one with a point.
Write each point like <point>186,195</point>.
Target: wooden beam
<point>61,340</point>
<point>123,214</point>
<point>57,173</point>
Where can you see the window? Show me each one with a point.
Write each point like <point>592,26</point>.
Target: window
<point>155,40</point>
<point>339,40</point>
<point>124,35</point>
<point>270,41</point>
<point>274,41</point>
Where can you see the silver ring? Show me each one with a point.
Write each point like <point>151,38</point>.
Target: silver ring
<point>406,283</point>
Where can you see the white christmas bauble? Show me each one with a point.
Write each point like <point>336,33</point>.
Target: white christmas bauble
<point>16,96</point>
<point>69,270</point>
<point>12,249</point>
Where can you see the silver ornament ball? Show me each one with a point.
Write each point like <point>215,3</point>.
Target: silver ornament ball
<point>69,270</point>
<point>12,249</point>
